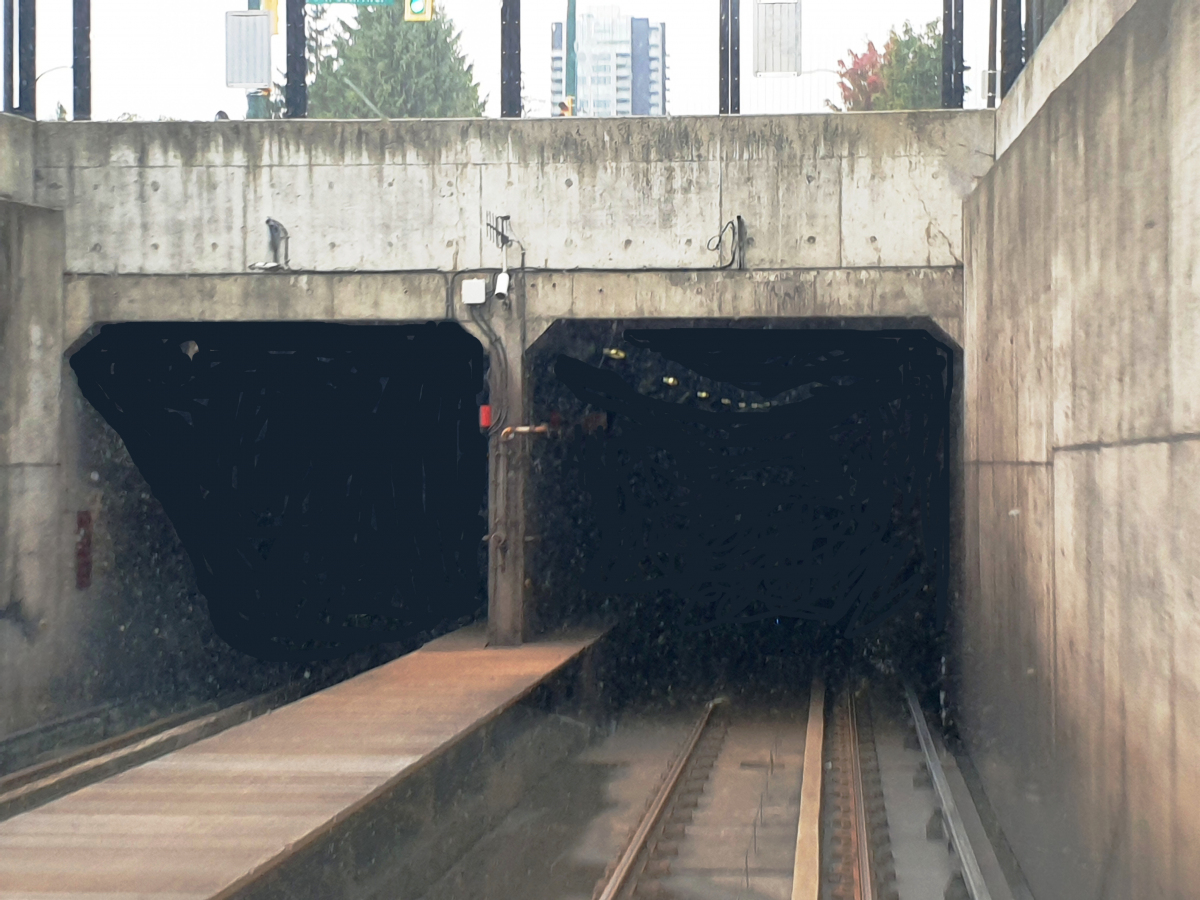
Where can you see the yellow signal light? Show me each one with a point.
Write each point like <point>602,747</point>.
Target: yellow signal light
<point>418,10</point>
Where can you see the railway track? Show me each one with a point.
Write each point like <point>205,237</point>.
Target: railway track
<point>847,800</point>
<point>67,771</point>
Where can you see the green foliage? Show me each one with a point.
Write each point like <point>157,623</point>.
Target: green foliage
<point>403,69</point>
<point>912,69</point>
<point>906,75</point>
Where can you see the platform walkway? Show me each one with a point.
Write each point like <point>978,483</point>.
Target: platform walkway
<point>213,816</point>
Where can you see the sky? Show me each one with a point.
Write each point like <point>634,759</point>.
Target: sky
<point>167,60</point>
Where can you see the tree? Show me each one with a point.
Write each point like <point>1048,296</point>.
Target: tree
<point>386,66</point>
<point>912,69</point>
<point>907,75</point>
<point>861,80</point>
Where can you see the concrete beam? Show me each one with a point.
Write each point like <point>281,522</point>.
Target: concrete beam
<point>934,293</point>
<point>877,189</point>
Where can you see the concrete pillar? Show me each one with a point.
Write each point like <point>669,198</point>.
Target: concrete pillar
<point>508,476</point>
<point>31,518</point>
<point>500,325</point>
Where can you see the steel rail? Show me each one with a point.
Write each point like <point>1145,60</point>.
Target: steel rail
<point>971,872</point>
<point>637,843</point>
<point>806,867</point>
<point>862,848</point>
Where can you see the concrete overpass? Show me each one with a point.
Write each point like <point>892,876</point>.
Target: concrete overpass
<point>1052,244</point>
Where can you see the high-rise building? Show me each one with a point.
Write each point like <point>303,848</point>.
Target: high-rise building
<point>621,64</point>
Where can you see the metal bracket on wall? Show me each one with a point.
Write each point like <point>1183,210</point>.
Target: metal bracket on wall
<point>513,430</point>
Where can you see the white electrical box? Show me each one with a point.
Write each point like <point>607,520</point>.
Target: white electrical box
<point>474,291</point>
<point>248,49</point>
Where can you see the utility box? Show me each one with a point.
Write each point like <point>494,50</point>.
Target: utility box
<point>248,49</point>
<point>474,291</point>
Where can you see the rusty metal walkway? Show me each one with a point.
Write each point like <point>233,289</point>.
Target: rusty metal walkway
<point>210,817</point>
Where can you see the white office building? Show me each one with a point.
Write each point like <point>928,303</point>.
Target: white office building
<point>621,67</point>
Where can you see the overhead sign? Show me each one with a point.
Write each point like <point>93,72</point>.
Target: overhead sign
<point>248,49</point>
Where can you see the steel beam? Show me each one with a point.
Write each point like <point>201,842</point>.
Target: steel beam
<point>510,59</point>
<point>730,58</point>
<point>1012,39</point>
<point>571,74</point>
<point>27,58</point>
<point>82,60</point>
<point>10,22</point>
<point>952,54</point>
<point>296,92</point>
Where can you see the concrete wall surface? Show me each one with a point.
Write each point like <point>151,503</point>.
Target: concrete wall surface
<point>1080,697</point>
<point>924,292</point>
<point>1074,34</point>
<point>16,158</point>
<point>36,626</point>
<point>822,191</point>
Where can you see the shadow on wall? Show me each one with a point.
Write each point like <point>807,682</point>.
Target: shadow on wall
<point>326,481</point>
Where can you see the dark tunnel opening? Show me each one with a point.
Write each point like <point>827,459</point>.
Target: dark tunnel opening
<point>742,504</point>
<point>327,481</point>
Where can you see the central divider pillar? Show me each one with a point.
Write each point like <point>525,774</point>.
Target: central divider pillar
<point>508,476</point>
<point>500,326</point>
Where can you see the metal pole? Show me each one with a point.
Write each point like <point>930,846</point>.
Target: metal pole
<point>959,63</point>
<point>1031,34</point>
<point>735,57</point>
<point>296,94</point>
<point>723,106</point>
<point>1010,43</point>
<point>572,81</point>
<point>27,58</point>
<point>993,68</point>
<point>82,61</point>
<point>947,53</point>
<point>10,21</point>
<point>510,59</point>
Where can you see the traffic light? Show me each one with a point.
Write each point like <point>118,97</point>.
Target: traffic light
<point>418,10</point>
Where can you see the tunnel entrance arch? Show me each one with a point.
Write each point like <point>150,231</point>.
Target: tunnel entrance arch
<point>742,481</point>
<point>327,480</point>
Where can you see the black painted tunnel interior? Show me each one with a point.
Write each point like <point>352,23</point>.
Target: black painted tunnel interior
<point>728,500</point>
<point>328,481</point>
<point>739,500</point>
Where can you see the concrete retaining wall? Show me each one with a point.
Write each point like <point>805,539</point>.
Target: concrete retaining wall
<point>826,191</point>
<point>1081,677</point>
<point>16,158</point>
<point>1074,34</point>
<point>36,625</point>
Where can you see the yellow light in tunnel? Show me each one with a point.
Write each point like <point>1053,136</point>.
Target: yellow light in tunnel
<point>670,381</point>
<point>726,401</point>
<point>703,395</point>
<point>614,353</point>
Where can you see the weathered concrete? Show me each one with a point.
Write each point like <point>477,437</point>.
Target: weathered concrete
<point>1081,683</point>
<point>908,293</point>
<point>16,158</point>
<point>36,627</point>
<point>816,191</point>
<point>848,216</point>
<point>1075,33</point>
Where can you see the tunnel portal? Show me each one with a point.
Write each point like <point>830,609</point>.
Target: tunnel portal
<point>749,492</point>
<point>326,480</point>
